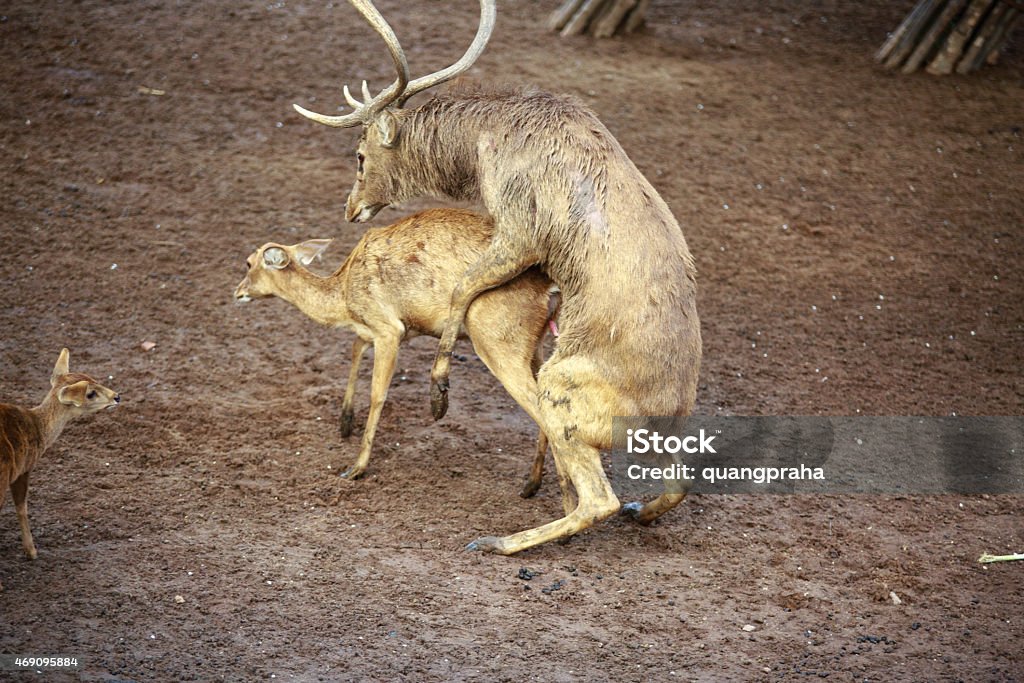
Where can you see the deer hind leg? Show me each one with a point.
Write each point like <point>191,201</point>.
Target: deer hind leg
<point>506,328</point>
<point>593,404</point>
<point>675,492</point>
<point>597,501</point>
<point>645,514</point>
<point>385,354</point>
<point>532,483</point>
<point>577,459</point>
<point>347,411</point>
<point>19,492</point>
<point>518,380</point>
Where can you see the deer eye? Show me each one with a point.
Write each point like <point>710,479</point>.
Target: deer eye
<point>359,160</point>
<point>91,394</point>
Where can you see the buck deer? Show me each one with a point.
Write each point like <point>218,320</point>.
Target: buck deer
<point>563,196</point>
<point>395,285</point>
<point>25,433</point>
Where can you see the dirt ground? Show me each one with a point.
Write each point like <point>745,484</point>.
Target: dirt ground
<point>859,240</point>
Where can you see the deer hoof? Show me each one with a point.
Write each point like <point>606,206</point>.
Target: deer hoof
<point>487,544</point>
<point>351,473</point>
<point>346,425</point>
<point>439,399</point>
<point>633,510</point>
<point>529,489</point>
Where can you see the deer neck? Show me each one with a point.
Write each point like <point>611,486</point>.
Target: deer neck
<point>51,417</point>
<point>441,153</point>
<point>323,299</point>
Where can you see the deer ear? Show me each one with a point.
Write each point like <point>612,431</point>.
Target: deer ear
<point>73,394</point>
<point>387,125</point>
<point>309,250</point>
<point>61,368</point>
<point>275,257</point>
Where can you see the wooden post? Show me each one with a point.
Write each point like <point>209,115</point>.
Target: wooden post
<point>991,38</point>
<point>949,55</point>
<point>599,18</point>
<point>949,35</point>
<point>902,41</point>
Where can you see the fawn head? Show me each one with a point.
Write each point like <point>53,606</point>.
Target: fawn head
<point>78,393</point>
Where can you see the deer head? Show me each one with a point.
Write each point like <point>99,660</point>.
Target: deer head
<point>381,116</point>
<point>80,394</point>
<point>265,267</point>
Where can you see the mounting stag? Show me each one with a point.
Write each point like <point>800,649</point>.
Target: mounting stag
<point>563,195</point>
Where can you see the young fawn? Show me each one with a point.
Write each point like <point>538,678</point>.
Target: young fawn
<point>26,432</point>
<point>397,284</point>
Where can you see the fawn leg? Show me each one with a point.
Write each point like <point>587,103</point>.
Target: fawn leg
<point>19,492</point>
<point>385,354</point>
<point>347,412</point>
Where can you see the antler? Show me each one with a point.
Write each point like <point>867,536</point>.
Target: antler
<point>483,34</point>
<point>401,90</point>
<point>364,111</point>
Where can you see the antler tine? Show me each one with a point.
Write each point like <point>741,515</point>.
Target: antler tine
<point>346,121</point>
<point>352,102</point>
<point>483,34</point>
<point>364,111</point>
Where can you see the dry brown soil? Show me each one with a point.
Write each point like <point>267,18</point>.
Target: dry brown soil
<point>859,240</point>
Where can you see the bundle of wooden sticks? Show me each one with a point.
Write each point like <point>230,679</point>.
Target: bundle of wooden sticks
<point>944,36</point>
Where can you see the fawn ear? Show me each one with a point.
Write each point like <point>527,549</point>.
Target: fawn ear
<point>275,257</point>
<point>61,368</point>
<point>387,125</point>
<point>309,250</point>
<point>73,394</point>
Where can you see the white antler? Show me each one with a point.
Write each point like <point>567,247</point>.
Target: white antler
<point>476,48</point>
<point>401,90</point>
<point>365,110</point>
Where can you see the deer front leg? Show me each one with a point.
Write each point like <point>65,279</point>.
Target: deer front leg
<point>19,492</point>
<point>347,411</point>
<point>496,266</point>
<point>385,354</point>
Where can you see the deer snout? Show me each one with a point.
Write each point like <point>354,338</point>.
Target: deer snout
<point>242,292</point>
<point>360,213</point>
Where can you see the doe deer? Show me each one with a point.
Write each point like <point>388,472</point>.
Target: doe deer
<point>25,433</point>
<point>395,285</point>
<point>563,196</point>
